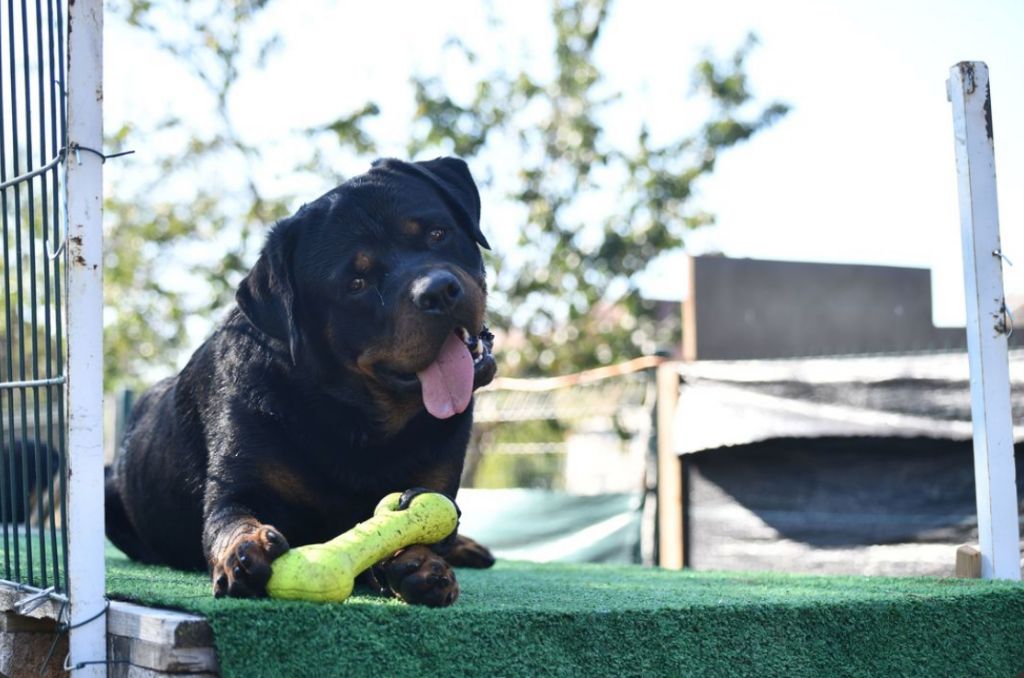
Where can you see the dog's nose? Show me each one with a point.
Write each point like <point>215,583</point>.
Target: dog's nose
<point>436,292</point>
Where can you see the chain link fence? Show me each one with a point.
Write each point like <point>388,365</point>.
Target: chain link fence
<point>584,434</point>
<point>565,468</point>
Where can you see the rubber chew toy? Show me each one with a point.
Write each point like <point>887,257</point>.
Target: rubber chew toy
<point>326,572</point>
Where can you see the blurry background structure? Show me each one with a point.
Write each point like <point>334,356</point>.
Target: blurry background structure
<point>823,423</point>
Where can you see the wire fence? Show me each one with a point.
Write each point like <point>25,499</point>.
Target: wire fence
<point>586,433</point>
<point>32,365</point>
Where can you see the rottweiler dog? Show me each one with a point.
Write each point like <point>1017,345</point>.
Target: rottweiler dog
<point>345,372</point>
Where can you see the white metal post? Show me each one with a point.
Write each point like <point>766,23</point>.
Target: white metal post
<point>86,568</point>
<point>988,323</point>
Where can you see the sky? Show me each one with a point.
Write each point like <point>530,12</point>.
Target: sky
<point>861,171</point>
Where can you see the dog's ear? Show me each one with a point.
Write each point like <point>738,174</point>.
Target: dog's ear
<point>452,180</point>
<point>267,294</point>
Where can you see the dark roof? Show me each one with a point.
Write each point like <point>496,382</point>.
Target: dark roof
<point>736,402</point>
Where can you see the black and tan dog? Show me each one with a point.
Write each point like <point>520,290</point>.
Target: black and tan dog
<point>346,372</point>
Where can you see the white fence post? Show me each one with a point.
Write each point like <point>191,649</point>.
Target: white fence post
<point>988,322</point>
<point>86,567</point>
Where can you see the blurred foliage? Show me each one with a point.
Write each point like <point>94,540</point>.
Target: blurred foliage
<point>522,453</point>
<point>182,230</point>
<point>573,302</point>
<point>544,471</point>
<point>569,297</point>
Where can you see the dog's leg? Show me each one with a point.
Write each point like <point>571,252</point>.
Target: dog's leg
<point>240,549</point>
<point>119,527</point>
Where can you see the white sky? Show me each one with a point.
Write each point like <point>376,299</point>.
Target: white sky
<point>861,170</point>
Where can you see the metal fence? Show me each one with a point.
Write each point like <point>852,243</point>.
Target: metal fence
<point>51,460</point>
<point>585,433</point>
<point>582,445</point>
<point>32,414</point>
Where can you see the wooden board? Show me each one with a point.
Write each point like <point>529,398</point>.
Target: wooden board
<point>968,562</point>
<point>142,642</point>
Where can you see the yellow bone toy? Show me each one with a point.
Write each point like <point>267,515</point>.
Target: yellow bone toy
<point>326,572</point>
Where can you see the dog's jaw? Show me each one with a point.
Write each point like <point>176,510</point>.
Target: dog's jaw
<point>398,396</point>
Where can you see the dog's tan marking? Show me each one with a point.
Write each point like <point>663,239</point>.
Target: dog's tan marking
<point>364,262</point>
<point>233,533</point>
<point>285,483</point>
<point>394,414</point>
<point>409,349</point>
<point>411,227</point>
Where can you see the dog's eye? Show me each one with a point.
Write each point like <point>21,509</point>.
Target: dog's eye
<point>357,285</point>
<point>436,234</point>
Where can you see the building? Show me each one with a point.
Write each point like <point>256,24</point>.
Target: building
<point>823,421</point>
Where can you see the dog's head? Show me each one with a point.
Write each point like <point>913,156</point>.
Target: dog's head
<point>380,284</point>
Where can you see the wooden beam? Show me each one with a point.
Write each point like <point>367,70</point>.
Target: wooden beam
<point>164,642</point>
<point>577,379</point>
<point>142,641</point>
<point>670,472</point>
<point>161,657</point>
<point>130,671</point>
<point>968,562</point>
<point>689,311</point>
<point>166,627</point>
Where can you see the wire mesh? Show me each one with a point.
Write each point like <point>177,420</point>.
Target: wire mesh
<point>578,434</point>
<point>32,414</point>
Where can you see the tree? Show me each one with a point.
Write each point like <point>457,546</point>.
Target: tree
<point>191,196</point>
<point>568,297</point>
<point>574,294</point>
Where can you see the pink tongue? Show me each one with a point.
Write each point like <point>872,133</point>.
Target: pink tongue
<point>448,381</point>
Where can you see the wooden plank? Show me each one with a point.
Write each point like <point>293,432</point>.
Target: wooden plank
<point>129,671</point>
<point>968,562</point>
<point>165,627</point>
<point>152,642</point>
<point>987,322</point>
<point>156,642</point>
<point>177,629</point>
<point>689,310</point>
<point>670,472</point>
<point>162,657</point>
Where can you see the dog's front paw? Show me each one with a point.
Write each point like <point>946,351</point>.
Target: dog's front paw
<point>419,576</point>
<point>242,568</point>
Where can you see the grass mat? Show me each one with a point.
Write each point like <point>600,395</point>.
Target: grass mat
<point>558,619</point>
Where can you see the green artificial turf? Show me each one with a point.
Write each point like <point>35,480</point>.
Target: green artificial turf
<point>521,619</point>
